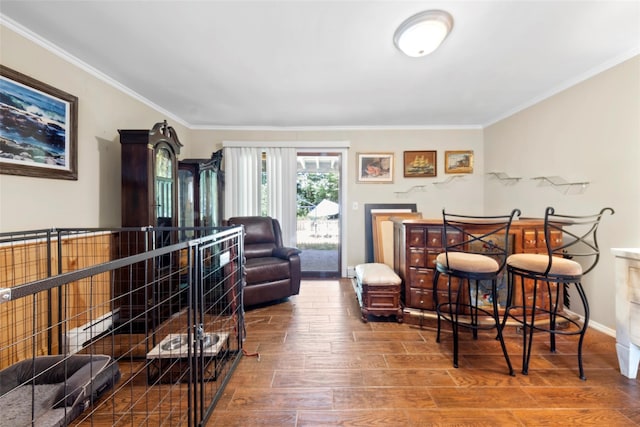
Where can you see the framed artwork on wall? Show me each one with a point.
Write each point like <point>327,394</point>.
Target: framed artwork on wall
<point>420,164</point>
<point>458,161</point>
<point>38,128</point>
<point>375,167</point>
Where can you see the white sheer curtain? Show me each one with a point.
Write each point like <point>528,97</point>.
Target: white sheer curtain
<point>282,189</point>
<point>243,181</point>
<point>243,184</point>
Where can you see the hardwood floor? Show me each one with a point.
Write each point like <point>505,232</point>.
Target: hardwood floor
<point>320,365</point>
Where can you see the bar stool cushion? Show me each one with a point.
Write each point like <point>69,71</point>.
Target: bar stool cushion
<point>538,263</point>
<point>474,263</point>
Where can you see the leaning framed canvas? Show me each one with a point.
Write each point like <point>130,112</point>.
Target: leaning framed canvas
<point>38,128</point>
<point>383,245</point>
<point>369,210</point>
<point>458,161</point>
<point>420,164</point>
<point>375,167</point>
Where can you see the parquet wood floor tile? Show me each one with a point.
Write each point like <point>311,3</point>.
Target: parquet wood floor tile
<point>321,365</point>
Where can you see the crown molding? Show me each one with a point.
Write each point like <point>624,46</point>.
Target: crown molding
<point>335,128</point>
<point>567,84</point>
<point>287,144</point>
<point>63,54</point>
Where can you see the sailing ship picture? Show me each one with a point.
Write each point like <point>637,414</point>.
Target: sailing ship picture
<point>420,164</point>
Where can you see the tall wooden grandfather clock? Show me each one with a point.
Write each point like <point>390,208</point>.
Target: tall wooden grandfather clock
<point>149,198</point>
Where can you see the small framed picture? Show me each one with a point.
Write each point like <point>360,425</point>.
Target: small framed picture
<point>458,161</point>
<point>375,167</point>
<point>420,164</point>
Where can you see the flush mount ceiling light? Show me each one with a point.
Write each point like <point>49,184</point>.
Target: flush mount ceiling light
<point>422,33</point>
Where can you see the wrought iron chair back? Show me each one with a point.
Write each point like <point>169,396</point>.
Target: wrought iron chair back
<point>492,241</point>
<point>576,237</point>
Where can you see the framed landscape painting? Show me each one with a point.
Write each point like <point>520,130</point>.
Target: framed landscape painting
<point>458,161</point>
<point>420,164</point>
<point>38,128</point>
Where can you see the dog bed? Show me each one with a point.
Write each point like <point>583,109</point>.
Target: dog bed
<point>53,390</point>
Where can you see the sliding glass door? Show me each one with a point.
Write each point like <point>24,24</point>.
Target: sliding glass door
<point>318,213</point>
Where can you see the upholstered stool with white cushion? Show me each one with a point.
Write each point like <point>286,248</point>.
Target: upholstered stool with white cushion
<point>543,277</point>
<point>378,290</point>
<point>471,262</point>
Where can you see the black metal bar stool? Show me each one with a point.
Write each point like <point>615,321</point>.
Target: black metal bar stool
<point>542,279</point>
<point>475,253</point>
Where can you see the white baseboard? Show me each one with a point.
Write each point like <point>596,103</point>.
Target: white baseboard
<point>75,339</point>
<point>595,325</point>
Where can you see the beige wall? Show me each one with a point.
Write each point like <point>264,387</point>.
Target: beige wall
<point>462,195</point>
<point>588,132</point>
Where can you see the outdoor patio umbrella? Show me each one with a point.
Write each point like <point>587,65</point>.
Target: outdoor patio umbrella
<point>324,208</point>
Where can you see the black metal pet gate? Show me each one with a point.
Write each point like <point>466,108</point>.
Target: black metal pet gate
<point>117,327</point>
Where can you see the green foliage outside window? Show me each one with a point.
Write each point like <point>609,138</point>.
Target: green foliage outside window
<point>314,188</point>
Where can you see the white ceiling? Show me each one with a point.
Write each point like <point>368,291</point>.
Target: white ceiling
<point>303,63</point>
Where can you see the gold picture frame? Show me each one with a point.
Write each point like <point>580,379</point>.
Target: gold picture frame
<point>375,167</point>
<point>420,164</point>
<point>458,161</point>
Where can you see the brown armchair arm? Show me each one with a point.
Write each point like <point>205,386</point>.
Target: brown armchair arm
<point>285,253</point>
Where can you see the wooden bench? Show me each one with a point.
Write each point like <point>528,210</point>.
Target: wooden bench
<point>378,289</point>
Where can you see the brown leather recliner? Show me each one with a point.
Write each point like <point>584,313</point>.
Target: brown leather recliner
<point>272,270</point>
